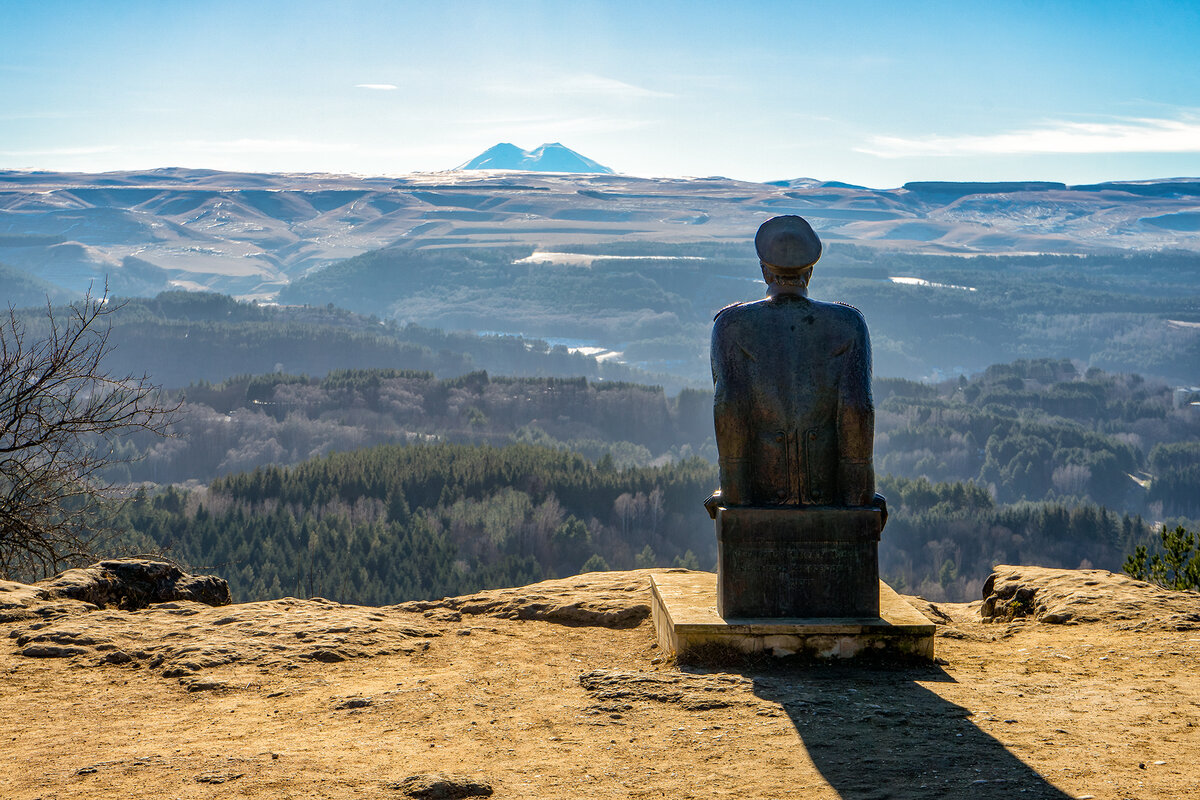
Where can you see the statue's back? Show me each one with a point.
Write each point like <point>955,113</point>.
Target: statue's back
<point>792,403</point>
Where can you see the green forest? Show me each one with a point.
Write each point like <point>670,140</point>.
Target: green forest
<point>1035,430</point>
<point>398,522</point>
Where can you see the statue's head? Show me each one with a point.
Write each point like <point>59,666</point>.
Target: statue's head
<point>787,249</point>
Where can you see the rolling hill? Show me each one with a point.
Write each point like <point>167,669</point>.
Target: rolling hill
<point>251,234</point>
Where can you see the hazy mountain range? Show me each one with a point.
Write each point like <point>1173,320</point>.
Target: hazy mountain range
<point>250,234</point>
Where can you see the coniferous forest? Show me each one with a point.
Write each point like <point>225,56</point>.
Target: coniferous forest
<point>398,522</point>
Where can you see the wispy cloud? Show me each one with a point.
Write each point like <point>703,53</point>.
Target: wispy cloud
<point>381,87</point>
<point>1136,135</point>
<point>551,128</point>
<point>262,146</point>
<point>580,84</point>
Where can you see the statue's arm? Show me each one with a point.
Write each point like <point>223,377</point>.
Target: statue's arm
<point>730,417</point>
<point>856,423</point>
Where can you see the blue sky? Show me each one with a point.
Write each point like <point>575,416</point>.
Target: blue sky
<point>876,93</point>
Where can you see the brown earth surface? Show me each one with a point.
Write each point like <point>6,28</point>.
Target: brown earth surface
<point>558,690</point>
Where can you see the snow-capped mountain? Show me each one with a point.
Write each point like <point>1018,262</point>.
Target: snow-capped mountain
<point>551,157</point>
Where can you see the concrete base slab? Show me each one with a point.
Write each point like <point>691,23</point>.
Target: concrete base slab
<point>684,607</point>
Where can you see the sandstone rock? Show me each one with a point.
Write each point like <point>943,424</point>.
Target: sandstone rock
<point>1062,596</point>
<point>183,639</point>
<point>51,651</point>
<point>542,711</point>
<point>932,612</point>
<point>17,601</point>
<point>442,786</point>
<point>219,777</point>
<point>14,594</point>
<point>132,583</point>
<point>693,692</point>
<point>599,599</point>
<point>351,703</point>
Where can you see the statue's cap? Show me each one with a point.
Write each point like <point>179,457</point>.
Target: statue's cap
<point>787,245</point>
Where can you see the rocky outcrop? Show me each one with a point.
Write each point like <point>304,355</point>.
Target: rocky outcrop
<point>132,583</point>
<point>139,612</point>
<point>128,584</point>
<point>1066,596</point>
<point>187,639</point>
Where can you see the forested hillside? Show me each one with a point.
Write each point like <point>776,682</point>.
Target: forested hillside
<point>251,421</point>
<point>1031,430</point>
<point>180,338</point>
<point>23,289</point>
<point>943,539</point>
<point>1017,463</point>
<point>1034,430</point>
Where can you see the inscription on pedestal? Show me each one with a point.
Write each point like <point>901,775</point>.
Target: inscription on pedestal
<point>803,563</point>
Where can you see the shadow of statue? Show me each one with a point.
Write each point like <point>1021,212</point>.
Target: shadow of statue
<point>877,732</point>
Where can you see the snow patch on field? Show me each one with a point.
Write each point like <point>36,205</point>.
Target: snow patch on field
<point>586,259</point>
<point>922,282</point>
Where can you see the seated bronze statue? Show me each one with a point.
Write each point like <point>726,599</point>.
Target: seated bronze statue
<point>792,379</point>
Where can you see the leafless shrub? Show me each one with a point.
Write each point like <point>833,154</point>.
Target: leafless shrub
<point>61,413</point>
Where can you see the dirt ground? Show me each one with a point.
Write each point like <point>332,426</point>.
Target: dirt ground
<point>558,690</point>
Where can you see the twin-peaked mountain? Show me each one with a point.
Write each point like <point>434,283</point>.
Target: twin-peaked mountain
<point>551,157</point>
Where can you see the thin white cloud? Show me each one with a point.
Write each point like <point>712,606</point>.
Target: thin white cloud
<point>1139,135</point>
<point>550,129</point>
<point>382,87</point>
<point>581,84</point>
<point>262,146</point>
<point>597,84</point>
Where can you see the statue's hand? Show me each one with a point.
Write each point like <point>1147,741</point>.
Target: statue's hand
<point>712,503</point>
<point>880,502</point>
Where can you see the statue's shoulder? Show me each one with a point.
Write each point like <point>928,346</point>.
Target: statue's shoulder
<point>732,307</point>
<point>851,311</point>
<point>725,309</point>
<point>843,317</point>
<point>843,311</point>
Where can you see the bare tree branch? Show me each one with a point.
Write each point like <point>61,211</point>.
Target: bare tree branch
<point>61,414</point>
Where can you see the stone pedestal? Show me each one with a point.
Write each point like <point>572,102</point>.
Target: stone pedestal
<point>815,562</point>
<point>686,622</point>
